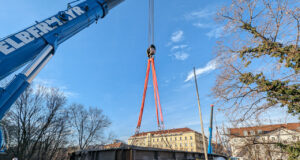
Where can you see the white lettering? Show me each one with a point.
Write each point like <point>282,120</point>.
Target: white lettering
<point>34,31</point>
<point>44,27</point>
<point>71,14</point>
<point>53,20</point>
<point>4,48</point>
<point>14,43</point>
<point>78,11</point>
<point>25,37</point>
<point>9,45</point>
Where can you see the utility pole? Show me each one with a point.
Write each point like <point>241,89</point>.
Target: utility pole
<point>200,115</point>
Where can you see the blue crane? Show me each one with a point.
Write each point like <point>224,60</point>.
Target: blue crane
<point>36,45</point>
<point>209,150</point>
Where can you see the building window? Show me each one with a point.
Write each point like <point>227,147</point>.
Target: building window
<point>259,132</point>
<point>191,138</point>
<point>185,138</point>
<point>175,138</point>
<point>252,132</point>
<point>191,144</point>
<point>180,145</point>
<point>284,141</point>
<point>245,133</point>
<point>273,138</point>
<point>157,140</point>
<point>170,138</point>
<point>180,138</point>
<point>186,144</point>
<point>153,140</point>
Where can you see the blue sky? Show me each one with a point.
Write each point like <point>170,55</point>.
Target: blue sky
<point>105,64</point>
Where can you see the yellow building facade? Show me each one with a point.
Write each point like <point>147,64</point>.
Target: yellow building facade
<point>183,139</point>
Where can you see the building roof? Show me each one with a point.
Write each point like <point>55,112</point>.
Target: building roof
<point>115,145</point>
<point>264,128</point>
<point>175,130</point>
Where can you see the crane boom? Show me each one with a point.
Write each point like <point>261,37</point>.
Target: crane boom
<point>17,49</point>
<point>36,45</point>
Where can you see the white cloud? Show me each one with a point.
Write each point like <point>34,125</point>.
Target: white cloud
<point>176,47</point>
<point>178,50</point>
<point>203,19</point>
<point>204,13</point>
<point>48,83</point>
<point>201,25</point>
<point>177,36</point>
<point>43,82</point>
<point>181,56</point>
<point>216,32</point>
<point>210,66</point>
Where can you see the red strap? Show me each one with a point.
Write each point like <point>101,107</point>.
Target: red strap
<point>155,94</point>
<point>144,95</point>
<point>158,99</point>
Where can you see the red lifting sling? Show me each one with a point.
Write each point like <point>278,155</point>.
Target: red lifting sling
<point>159,114</point>
<point>150,52</point>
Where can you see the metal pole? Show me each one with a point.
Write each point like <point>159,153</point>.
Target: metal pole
<point>200,115</point>
<point>37,61</point>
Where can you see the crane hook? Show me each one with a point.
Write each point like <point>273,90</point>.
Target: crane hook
<point>151,51</point>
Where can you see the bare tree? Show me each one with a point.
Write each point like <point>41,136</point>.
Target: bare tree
<point>259,57</point>
<point>222,142</point>
<point>89,124</point>
<point>37,124</point>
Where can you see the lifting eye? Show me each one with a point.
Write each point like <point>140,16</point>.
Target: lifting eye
<point>62,15</point>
